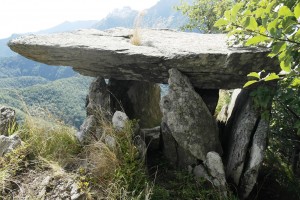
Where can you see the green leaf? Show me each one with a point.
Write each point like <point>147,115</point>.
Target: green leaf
<point>288,21</point>
<point>296,82</point>
<point>254,74</point>
<point>227,14</point>
<point>271,77</point>
<point>297,11</point>
<point>272,27</point>
<point>249,83</point>
<point>258,13</point>
<point>285,11</point>
<point>221,22</point>
<point>286,66</point>
<point>297,124</point>
<point>277,48</point>
<point>256,39</point>
<point>296,36</point>
<point>288,24</point>
<point>270,7</point>
<point>250,23</point>
<point>234,11</point>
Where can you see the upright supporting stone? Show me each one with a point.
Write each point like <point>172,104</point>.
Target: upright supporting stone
<point>98,108</point>
<point>140,100</point>
<point>98,99</point>
<point>256,157</point>
<point>243,120</point>
<point>188,119</point>
<point>247,133</point>
<point>176,155</point>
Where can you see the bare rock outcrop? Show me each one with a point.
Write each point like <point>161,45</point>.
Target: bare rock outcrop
<point>204,58</point>
<point>9,143</point>
<point>7,120</point>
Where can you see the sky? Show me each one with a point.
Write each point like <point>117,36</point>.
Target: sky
<point>21,16</point>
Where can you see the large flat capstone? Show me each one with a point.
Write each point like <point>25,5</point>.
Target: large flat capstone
<point>204,58</point>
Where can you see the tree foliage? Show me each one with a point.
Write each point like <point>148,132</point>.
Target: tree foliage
<point>271,23</point>
<point>274,24</point>
<point>203,14</point>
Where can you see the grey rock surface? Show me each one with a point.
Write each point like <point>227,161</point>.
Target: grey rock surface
<point>213,171</point>
<point>48,184</point>
<point>87,131</point>
<point>7,120</point>
<point>241,124</point>
<point>188,118</point>
<point>175,154</point>
<point>139,99</point>
<point>7,144</point>
<point>141,146</point>
<point>119,120</point>
<point>98,99</point>
<point>257,153</point>
<point>215,168</point>
<point>204,58</point>
<point>151,137</point>
<point>110,141</point>
<point>201,172</point>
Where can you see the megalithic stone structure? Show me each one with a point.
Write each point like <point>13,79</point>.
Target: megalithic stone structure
<point>199,65</point>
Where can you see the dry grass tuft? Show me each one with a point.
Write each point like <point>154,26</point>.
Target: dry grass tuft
<point>136,36</point>
<point>53,140</point>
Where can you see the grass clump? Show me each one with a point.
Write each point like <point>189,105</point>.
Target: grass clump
<point>116,169</point>
<point>136,36</point>
<point>53,141</point>
<point>177,185</point>
<point>12,164</point>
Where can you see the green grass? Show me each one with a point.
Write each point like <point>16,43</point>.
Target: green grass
<point>53,141</point>
<point>104,171</point>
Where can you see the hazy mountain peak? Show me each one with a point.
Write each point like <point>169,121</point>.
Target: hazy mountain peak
<point>122,12</point>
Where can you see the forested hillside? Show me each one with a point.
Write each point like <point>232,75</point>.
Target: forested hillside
<point>64,98</point>
<point>18,66</point>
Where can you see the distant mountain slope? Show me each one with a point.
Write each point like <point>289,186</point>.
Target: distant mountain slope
<point>161,15</point>
<point>164,15</point>
<point>64,98</point>
<point>21,82</point>
<point>66,26</point>
<point>17,66</point>
<point>118,18</point>
<point>4,49</point>
<point>69,26</point>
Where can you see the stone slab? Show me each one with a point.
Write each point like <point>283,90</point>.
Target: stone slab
<point>204,58</point>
